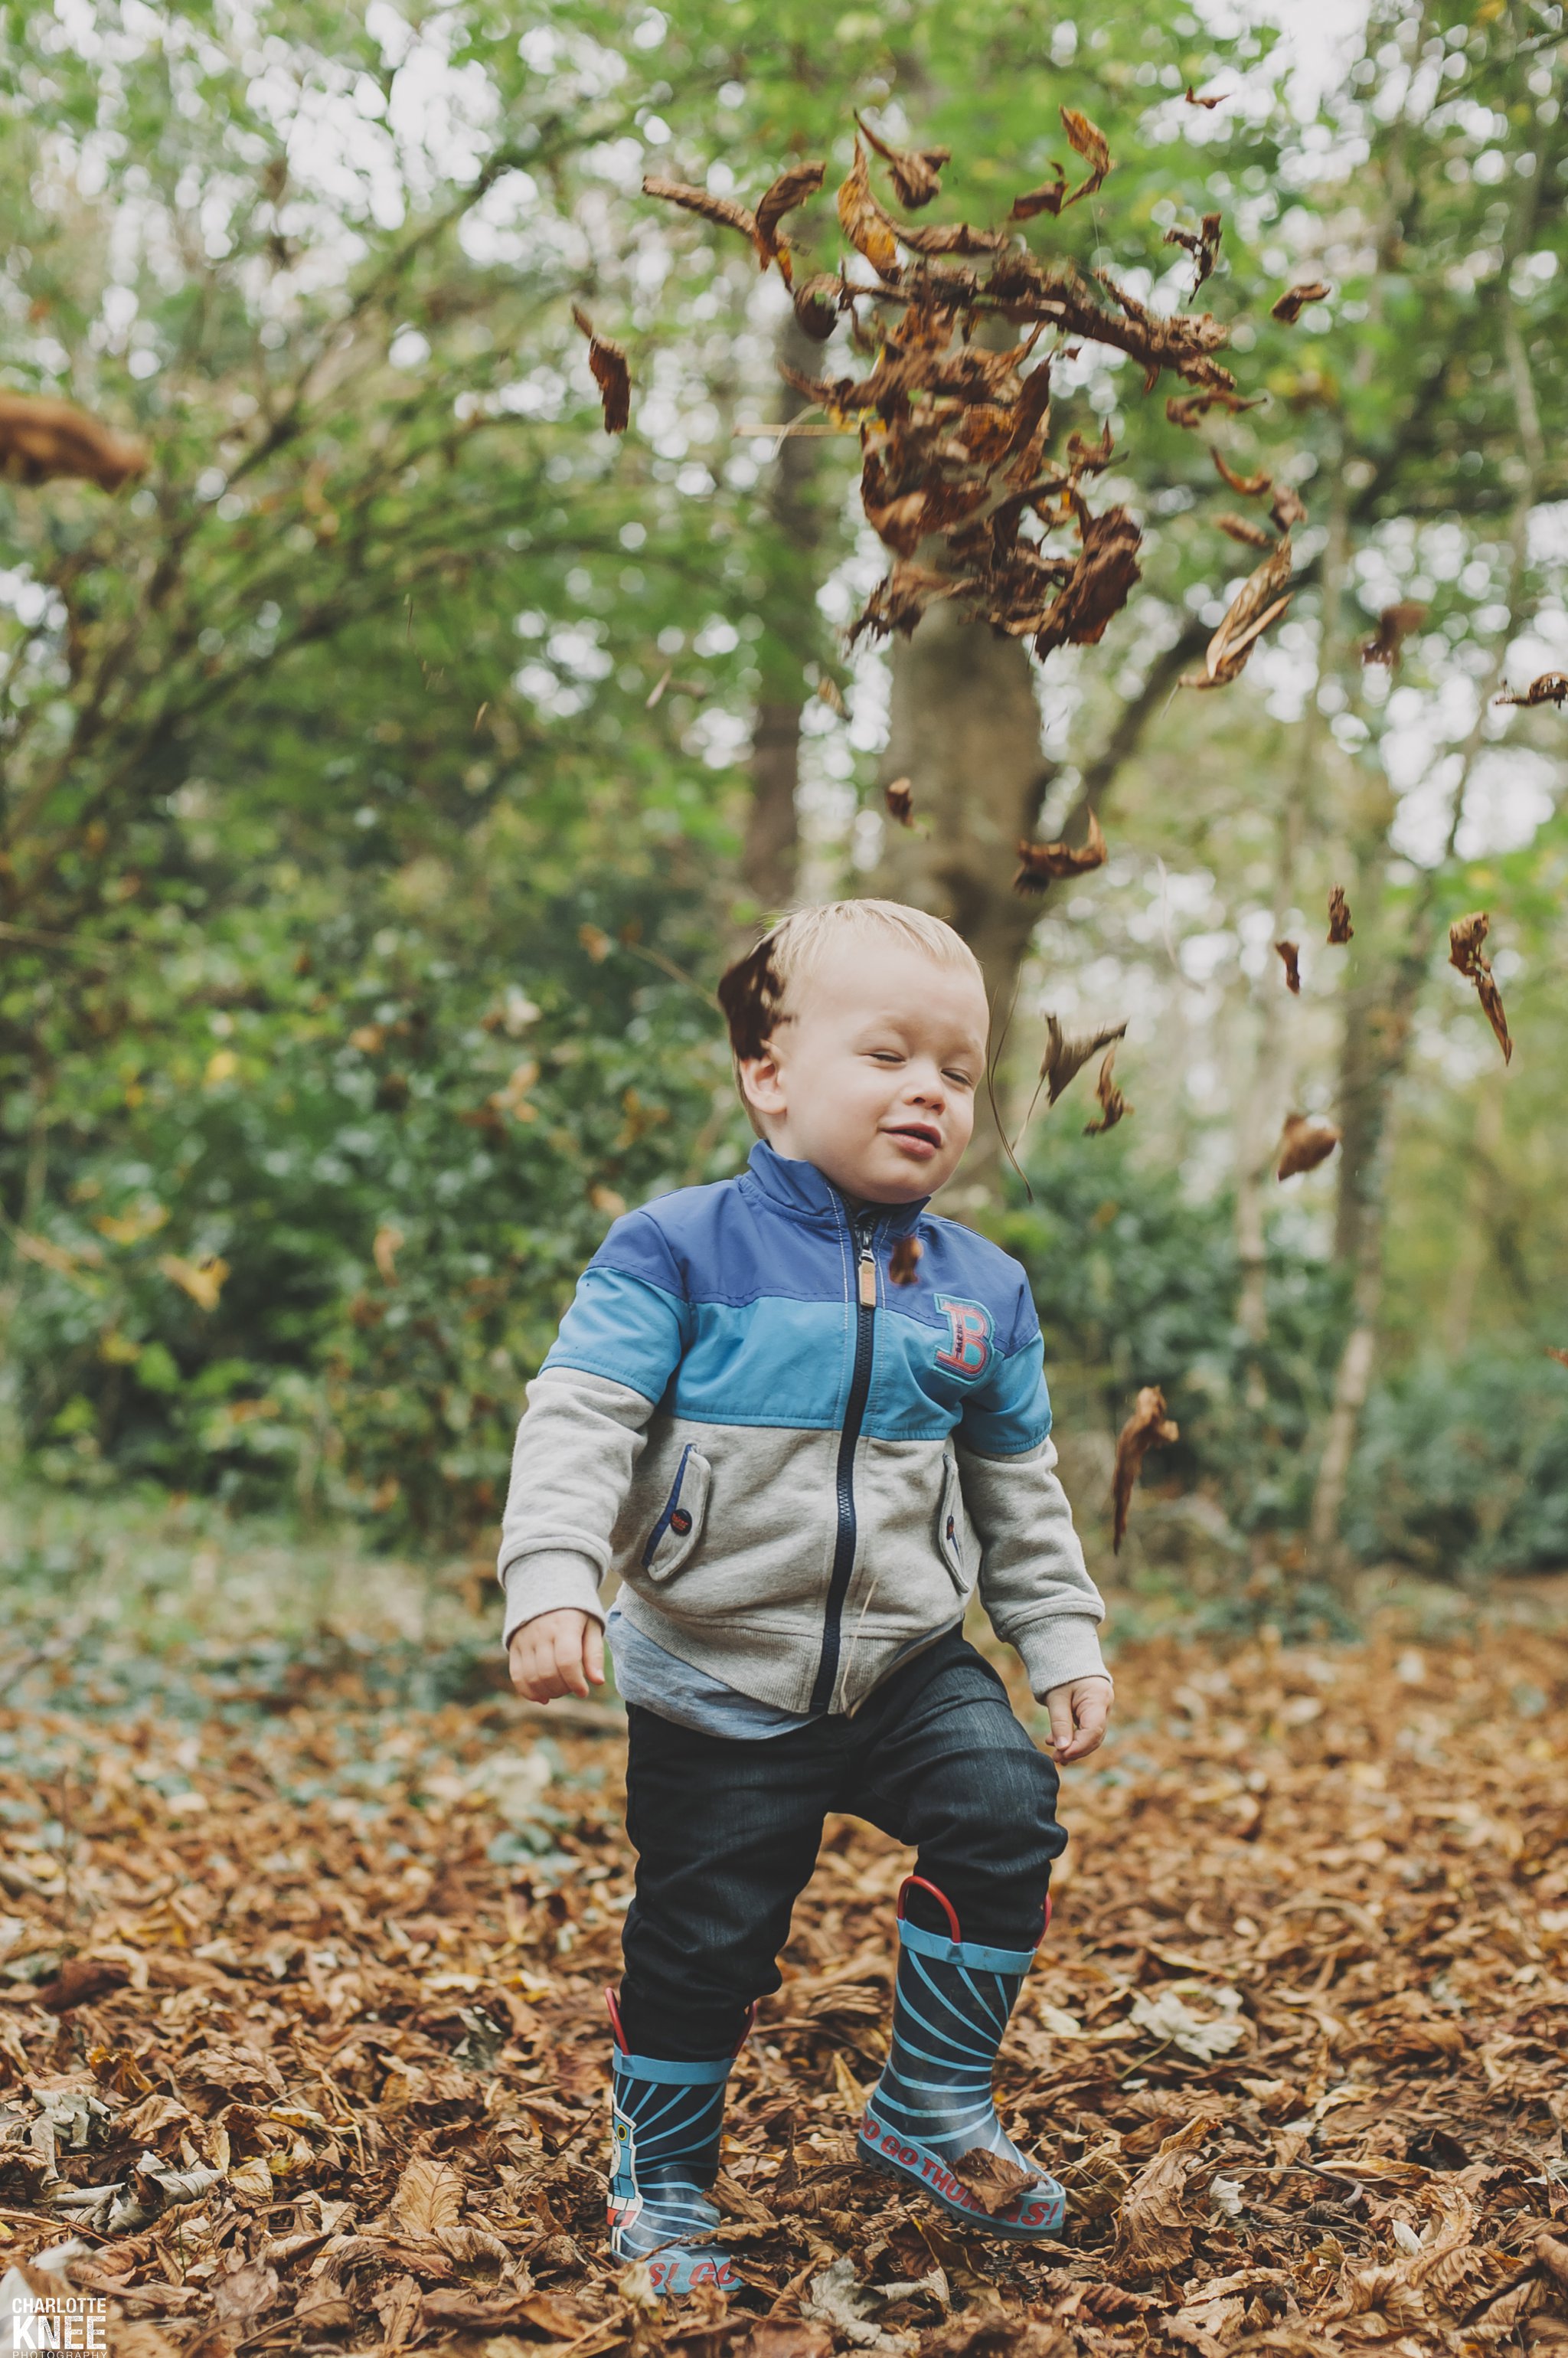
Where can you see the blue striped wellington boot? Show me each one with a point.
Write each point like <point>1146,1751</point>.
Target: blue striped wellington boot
<point>665,2124</point>
<point>933,2104</point>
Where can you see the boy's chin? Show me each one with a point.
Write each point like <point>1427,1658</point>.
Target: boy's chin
<point>893,1176</point>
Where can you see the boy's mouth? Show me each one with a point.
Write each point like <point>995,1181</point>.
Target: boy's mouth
<point>923,1137</point>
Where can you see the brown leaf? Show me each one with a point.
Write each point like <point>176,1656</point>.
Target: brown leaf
<point>42,440</point>
<point>1291,958</point>
<point>903,1265</point>
<point>1554,1353</point>
<point>785,2337</point>
<point>897,603</point>
<point>863,221</point>
<point>430,2197</point>
<point>1189,409</point>
<point>1256,604</point>
<point>1089,141</point>
<point>1287,507</point>
<point>1552,687</point>
<point>242,2294</point>
<point>1290,305</point>
<point>398,2304</point>
<point>725,211</point>
<point>80,1981</point>
<point>1304,1144</point>
<point>1114,1107</point>
<point>1340,928</point>
<point>1203,244</point>
<point>791,189</point>
<point>1465,936</point>
<point>1066,1054</point>
<point>948,237</point>
<point>1147,1428</point>
<point>991,2179</point>
<point>1046,200</point>
<point>1251,487</point>
<point>1046,863</point>
<point>816,306</point>
<point>1100,585</point>
<point>1194,99</point>
<point>915,171</point>
<point>1394,626</point>
<point>1242,529</point>
<point>611,373</point>
<point>898,797</point>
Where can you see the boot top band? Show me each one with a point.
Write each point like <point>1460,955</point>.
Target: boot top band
<point>963,1953</point>
<point>670,2073</point>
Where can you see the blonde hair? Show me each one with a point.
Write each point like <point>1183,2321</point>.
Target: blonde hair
<point>758,991</point>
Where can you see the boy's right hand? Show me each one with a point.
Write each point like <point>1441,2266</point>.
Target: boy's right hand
<point>556,1654</point>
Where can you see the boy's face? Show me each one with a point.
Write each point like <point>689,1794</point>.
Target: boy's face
<point>873,1078</point>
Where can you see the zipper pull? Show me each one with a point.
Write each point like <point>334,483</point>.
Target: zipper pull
<point>868,1275</point>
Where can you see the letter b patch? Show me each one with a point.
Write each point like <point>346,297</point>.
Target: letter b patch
<point>968,1351</point>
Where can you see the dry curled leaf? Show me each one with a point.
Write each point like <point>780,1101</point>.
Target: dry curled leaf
<point>1089,141</point>
<point>1201,244</point>
<point>1340,928</point>
<point>42,440</point>
<point>1046,199</point>
<point>1067,1053</point>
<point>991,2179</point>
<point>1218,100</point>
<point>898,797</point>
<point>1045,863</point>
<point>1465,936</point>
<point>1304,1144</point>
<point>1098,584</point>
<point>791,189</point>
<point>726,213</point>
<point>1250,487</point>
<point>862,219</point>
<point>1289,958</point>
<point>1256,603</point>
<point>916,172</point>
<point>1113,1106</point>
<point>1189,409</point>
<point>903,1264</point>
<point>1288,307</point>
<point>1552,687</point>
<point>816,306</point>
<point>611,373</point>
<point>1395,625</point>
<point>1147,1428</point>
<point>1287,507</point>
<point>1242,529</point>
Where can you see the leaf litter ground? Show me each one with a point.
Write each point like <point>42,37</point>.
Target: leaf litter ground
<point>330,2072</point>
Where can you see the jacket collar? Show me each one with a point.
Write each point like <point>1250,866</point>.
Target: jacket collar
<point>804,1192</point>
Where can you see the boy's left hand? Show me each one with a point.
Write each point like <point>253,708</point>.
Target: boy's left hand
<point>1078,1715</point>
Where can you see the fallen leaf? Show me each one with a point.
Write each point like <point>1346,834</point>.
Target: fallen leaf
<point>42,440</point>
<point>1189,409</point>
<point>1290,956</point>
<point>242,2294</point>
<point>1287,507</point>
<point>863,221</point>
<point>1552,687</point>
<point>399,2306</point>
<point>915,171</point>
<point>1089,142</point>
<point>992,2178</point>
<point>202,1281</point>
<point>430,2197</point>
<point>1242,529</point>
<point>1201,244</point>
<point>1045,199</point>
<point>610,372</point>
<point>1114,1107</point>
<point>1256,604</point>
<point>1194,99</point>
<point>816,306</point>
<point>1395,625</point>
<point>389,1239</point>
<point>1250,487</point>
<point>1290,305</point>
<point>80,1981</point>
<point>1066,1054</point>
<point>1147,1428</point>
<point>1304,1144</point>
<point>724,211</point>
<point>1045,863</point>
<point>792,188</point>
<point>1465,936</point>
<point>899,799</point>
<point>904,1266</point>
<point>1340,928</point>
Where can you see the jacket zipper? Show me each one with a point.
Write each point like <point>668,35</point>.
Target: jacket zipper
<point>850,1434</point>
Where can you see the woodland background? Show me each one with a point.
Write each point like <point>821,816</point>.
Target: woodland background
<point>362,890</point>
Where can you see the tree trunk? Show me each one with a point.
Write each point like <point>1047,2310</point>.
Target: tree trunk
<point>770,850</point>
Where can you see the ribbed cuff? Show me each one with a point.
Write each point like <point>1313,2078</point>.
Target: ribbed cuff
<point>1057,1650</point>
<point>548,1580</point>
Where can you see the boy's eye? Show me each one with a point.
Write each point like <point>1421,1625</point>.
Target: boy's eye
<point>887,1056</point>
<point>961,1080</point>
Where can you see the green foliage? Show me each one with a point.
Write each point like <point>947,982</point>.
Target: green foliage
<point>1465,1471</point>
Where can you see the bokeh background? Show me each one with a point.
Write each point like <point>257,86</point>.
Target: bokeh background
<point>389,770</point>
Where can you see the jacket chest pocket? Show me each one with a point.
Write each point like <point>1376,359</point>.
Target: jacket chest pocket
<point>679,1526</point>
<point>951,1522</point>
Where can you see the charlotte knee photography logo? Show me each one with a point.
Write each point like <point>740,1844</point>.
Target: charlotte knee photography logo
<point>39,2318</point>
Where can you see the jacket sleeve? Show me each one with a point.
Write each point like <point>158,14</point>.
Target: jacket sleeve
<point>586,1424</point>
<point>1033,1584</point>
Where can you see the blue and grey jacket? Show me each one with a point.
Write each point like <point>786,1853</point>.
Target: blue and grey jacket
<point>800,1470</point>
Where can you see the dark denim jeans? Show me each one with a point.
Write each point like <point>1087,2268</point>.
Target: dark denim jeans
<point>727,1833</point>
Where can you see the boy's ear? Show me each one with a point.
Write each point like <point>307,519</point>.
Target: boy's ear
<point>761,1082</point>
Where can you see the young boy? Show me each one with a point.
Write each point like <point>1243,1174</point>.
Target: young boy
<point>804,1420</point>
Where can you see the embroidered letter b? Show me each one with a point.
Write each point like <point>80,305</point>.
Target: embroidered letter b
<point>969,1348</point>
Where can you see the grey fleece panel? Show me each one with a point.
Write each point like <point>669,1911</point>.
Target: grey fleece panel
<point>549,1579</point>
<point>572,1465</point>
<point>1034,1582</point>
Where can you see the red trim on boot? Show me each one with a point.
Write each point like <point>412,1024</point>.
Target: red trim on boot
<point>613,2005</point>
<point>918,1883</point>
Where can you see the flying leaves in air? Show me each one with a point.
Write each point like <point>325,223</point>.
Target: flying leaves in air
<point>1287,507</point>
<point>1147,1428</point>
<point>1552,687</point>
<point>1242,529</point>
<point>611,373</point>
<point>899,799</point>
<point>1340,928</point>
<point>1250,487</point>
<point>1046,199</point>
<point>1289,307</point>
<point>1260,601</point>
<point>1194,99</point>
<point>904,1262</point>
<point>1113,1106</point>
<point>1067,1053</point>
<point>723,211</point>
<point>1046,863</point>
<point>862,219</point>
<point>1289,959</point>
<point>1304,1144</point>
<point>1465,936</point>
<point>1554,1353</point>
<point>1089,142</point>
<point>1201,244</point>
<point>791,189</point>
<point>42,440</point>
<point>916,172</point>
<point>1395,625</point>
<point>1189,409</point>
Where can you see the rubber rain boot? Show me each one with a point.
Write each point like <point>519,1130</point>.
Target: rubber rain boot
<point>665,2122</point>
<point>933,2104</point>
